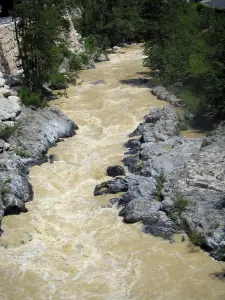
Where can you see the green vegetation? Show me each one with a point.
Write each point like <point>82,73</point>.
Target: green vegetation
<point>58,81</point>
<point>4,187</point>
<point>40,32</point>
<point>109,22</point>
<point>196,238</point>
<point>159,186</point>
<point>6,132</point>
<point>22,153</point>
<point>30,98</point>
<point>77,60</point>
<point>139,165</point>
<point>181,203</point>
<point>185,42</point>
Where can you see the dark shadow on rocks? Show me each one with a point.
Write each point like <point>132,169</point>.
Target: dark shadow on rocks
<point>204,122</point>
<point>140,82</point>
<point>15,210</point>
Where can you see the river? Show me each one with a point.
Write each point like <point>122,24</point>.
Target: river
<point>69,246</point>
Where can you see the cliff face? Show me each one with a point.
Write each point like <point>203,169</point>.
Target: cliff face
<point>8,50</point>
<point>9,63</point>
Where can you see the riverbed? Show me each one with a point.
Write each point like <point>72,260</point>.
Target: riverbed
<point>70,246</point>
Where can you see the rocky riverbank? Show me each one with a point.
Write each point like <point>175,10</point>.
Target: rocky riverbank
<point>175,184</point>
<point>26,134</point>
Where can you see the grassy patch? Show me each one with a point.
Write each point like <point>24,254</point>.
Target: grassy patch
<point>58,81</point>
<point>30,98</point>
<point>139,165</point>
<point>6,132</point>
<point>196,238</point>
<point>22,153</point>
<point>181,203</point>
<point>4,187</point>
<point>159,186</point>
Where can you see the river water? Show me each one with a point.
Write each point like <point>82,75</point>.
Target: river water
<point>68,246</point>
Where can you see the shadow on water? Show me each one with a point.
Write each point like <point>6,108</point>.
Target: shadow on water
<point>139,82</point>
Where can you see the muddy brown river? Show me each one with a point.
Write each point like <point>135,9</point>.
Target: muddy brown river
<point>68,247</point>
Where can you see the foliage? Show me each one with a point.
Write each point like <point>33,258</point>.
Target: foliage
<point>40,31</point>
<point>181,203</point>
<point>159,186</point>
<point>4,187</point>
<point>6,132</point>
<point>192,102</point>
<point>90,44</point>
<point>77,60</point>
<point>22,153</point>
<point>58,81</point>
<point>30,98</point>
<point>186,42</point>
<point>109,22</point>
<point>196,238</point>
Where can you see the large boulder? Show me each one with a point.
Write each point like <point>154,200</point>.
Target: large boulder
<point>39,130</point>
<point>115,171</point>
<point>9,108</point>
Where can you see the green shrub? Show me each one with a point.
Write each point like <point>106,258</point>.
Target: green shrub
<point>192,103</point>
<point>30,98</point>
<point>22,153</point>
<point>73,77</point>
<point>159,186</point>
<point>4,187</point>
<point>58,81</point>
<point>196,238</point>
<point>6,132</point>
<point>181,203</point>
<point>84,58</point>
<point>90,44</point>
<point>75,62</point>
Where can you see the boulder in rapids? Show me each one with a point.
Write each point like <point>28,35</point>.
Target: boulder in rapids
<point>115,171</point>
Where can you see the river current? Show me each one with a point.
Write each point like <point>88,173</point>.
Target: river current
<point>69,246</point>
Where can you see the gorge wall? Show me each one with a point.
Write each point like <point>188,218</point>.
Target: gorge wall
<point>9,63</point>
<point>8,50</point>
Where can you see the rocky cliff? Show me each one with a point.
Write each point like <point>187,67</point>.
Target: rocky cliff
<point>9,63</point>
<point>8,50</point>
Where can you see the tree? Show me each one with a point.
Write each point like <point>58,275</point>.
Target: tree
<point>40,27</point>
<point>111,22</point>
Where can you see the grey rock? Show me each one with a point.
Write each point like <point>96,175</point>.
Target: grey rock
<point>133,145</point>
<point>6,92</point>
<point>162,94</point>
<point>36,131</point>
<point>115,186</point>
<point>9,109</point>
<point>15,80</point>
<point>65,66</point>
<point>193,190</point>
<point>53,158</point>
<point>101,57</point>
<point>115,171</point>
<point>39,130</point>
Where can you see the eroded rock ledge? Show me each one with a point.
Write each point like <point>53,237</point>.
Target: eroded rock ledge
<point>175,184</point>
<point>35,131</point>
